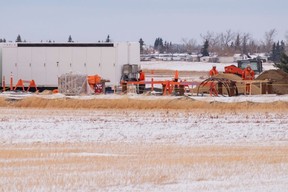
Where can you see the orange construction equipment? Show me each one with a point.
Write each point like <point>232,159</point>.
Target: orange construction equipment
<point>92,80</point>
<point>21,82</point>
<point>233,69</point>
<point>95,82</point>
<point>176,76</point>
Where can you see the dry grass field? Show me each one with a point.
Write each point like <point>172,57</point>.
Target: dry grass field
<point>137,148</point>
<point>130,167</point>
<point>181,103</point>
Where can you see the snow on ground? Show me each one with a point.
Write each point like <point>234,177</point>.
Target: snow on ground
<point>146,150</point>
<point>185,128</point>
<point>182,66</point>
<point>190,66</point>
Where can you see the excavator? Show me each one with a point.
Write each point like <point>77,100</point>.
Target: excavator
<point>255,64</point>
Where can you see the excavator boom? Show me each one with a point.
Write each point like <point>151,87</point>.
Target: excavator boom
<point>233,69</point>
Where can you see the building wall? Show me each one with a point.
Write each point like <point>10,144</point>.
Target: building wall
<point>45,64</point>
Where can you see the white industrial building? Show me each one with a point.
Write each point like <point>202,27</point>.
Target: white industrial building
<point>45,62</point>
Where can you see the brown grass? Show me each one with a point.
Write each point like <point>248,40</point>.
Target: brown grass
<point>126,103</point>
<point>30,166</point>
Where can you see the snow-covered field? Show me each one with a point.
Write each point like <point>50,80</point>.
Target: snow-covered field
<point>191,66</point>
<point>143,150</point>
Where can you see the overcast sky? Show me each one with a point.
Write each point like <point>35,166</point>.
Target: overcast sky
<point>130,20</point>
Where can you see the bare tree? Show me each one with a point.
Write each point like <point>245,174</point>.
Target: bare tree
<point>245,41</point>
<point>252,46</point>
<point>227,38</point>
<point>190,45</point>
<point>213,39</point>
<point>269,40</point>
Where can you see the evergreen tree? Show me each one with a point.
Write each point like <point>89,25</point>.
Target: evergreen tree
<point>166,46</point>
<point>204,50</point>
<point>282,47</point>
<point>18,39</point>
<point>273,53</point>
<point>244,46</point>
<point>108,39</point>
<point>1,40</point>
<point>158,45</point>
<point>70,39</point>
<point>237,43</point>
<point>277,51</point>
<point>283,64</point>
<point>4,40</point>
<point>141,42</point>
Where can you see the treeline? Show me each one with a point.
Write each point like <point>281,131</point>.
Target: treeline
<point>70,40</point>
<point>225,43</point>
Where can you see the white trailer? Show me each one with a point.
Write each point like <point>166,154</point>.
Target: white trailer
<point>45,62</point>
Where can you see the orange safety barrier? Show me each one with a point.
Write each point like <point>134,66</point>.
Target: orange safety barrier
<point>21,82</point>
<point>32,84</point>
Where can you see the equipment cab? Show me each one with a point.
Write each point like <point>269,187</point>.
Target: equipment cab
<point>256,65</point>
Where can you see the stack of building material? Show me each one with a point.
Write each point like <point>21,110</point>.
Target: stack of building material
<point>73,84</point>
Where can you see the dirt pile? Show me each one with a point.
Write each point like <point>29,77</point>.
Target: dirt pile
<point>240,86</point>
<point>279,80</point>
<point>229,76</point>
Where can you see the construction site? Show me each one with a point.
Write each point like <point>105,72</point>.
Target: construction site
<point>92,117</point>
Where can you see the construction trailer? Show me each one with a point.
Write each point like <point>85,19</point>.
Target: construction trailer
<point>45,62</point>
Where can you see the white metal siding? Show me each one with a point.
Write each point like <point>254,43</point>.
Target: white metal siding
<point>65,60</point>
<point>108,64</point>
<point>46,64</point>
<point>23,63</point>
<point>134,53</point>
<point>9,58</point>
<point>52,69</point>
<point>93,61</point>
<point>38,57</point>
<point>79,60</point>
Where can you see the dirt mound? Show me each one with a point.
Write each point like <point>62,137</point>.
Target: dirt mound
<point>240,86</point>
<point>279,80</point>
<point>228,76</point>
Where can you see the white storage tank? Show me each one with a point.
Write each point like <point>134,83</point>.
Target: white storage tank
<point>45,62</point>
